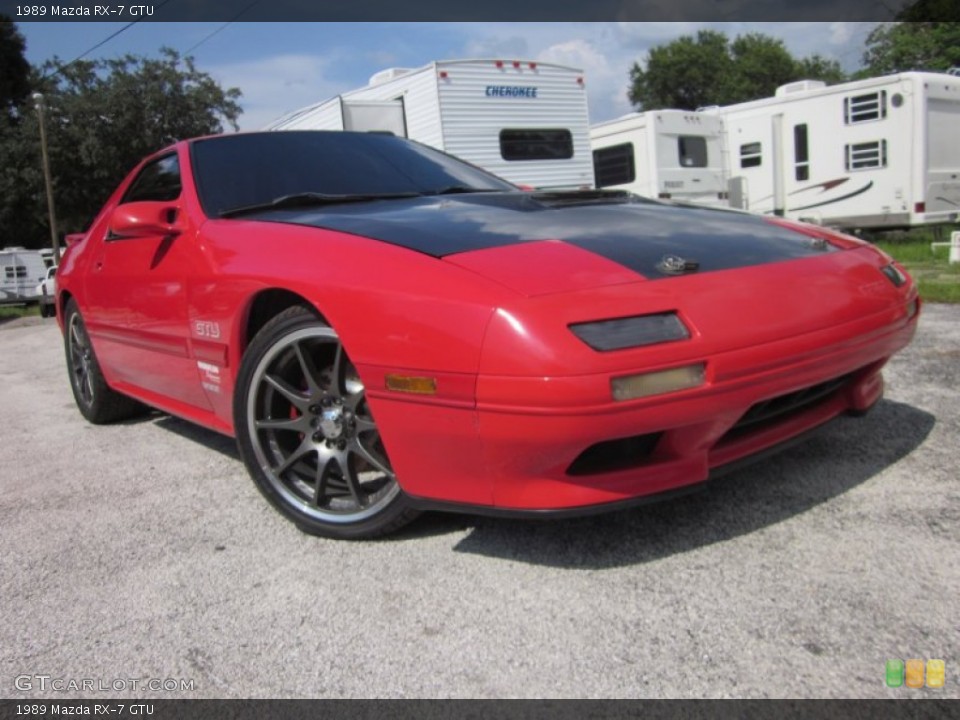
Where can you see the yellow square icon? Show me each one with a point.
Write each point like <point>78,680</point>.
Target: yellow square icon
<point>914,674</point>
<point>936,673</point>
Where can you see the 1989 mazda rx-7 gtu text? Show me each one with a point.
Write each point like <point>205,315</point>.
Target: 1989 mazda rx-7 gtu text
<point>386,329</point>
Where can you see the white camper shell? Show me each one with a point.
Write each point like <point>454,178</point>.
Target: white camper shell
<point>876,153</point>
<point>20,271</point>
<point>668,154</point>
<point>525,121</point>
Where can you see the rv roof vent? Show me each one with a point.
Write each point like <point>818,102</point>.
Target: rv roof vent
<point>388,74</point>
<point>800,86</point>
<point>708,108</point>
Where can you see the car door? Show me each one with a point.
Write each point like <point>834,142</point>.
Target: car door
<point>137,297</point>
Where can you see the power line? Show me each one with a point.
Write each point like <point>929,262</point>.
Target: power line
<point>221,28</point>
<point>61,68</point>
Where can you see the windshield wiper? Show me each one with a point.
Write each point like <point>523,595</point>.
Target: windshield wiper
<point>309,199</point>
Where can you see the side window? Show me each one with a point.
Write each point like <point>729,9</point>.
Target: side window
<point>864,156</point>
<point>614,165</point>
<point>692,151</point>
<point>751,155</point>
<point>801,154</point>
<point>160,181</point>
<point>536,144</point>
<point>863,108</point>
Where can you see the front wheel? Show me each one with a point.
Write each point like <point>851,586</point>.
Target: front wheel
<point>307,436</point>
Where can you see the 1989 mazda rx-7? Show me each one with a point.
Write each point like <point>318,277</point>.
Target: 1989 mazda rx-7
<point>386,329</point>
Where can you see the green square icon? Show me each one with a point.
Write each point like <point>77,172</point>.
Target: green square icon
<point>894,673</point>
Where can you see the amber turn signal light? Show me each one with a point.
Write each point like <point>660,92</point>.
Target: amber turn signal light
<point>411,384</point>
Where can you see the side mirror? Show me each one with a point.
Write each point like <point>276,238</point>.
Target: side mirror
<point>144,219</point>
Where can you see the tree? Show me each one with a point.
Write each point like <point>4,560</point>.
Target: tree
<point>686,73</point>
<point>926,37</point>
<point>904,46</point>
<point>15,78</point>
<point>708,69</point>
<point>102,117</point>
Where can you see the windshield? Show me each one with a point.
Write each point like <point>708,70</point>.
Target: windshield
<point>248,170</point>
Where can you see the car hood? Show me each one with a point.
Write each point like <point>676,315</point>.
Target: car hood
<point>543,243</point>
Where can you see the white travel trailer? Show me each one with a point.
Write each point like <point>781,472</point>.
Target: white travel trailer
<point>20,271</point>
<point>876,153</point>
<point>672,154</point>
<point>523,120</point>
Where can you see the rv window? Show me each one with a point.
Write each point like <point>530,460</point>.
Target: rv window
<point>864,156</point>
<point>16,271</point>
<point>862,108</point>
<point>801,155</point>
<point>614,165</point>
<point>750,155</point>
<point>692,150</point>
<point>160,181</point>
<point>536,144</point>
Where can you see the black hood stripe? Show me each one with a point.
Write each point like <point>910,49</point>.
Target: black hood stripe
<point>637,235</point>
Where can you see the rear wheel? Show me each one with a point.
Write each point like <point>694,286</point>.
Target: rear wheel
<point>307,435</point>
<point>96,401</point>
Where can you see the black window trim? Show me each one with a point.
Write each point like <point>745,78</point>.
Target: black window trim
<point>151,163</point>
<point>801,152</point>
<point>629,155</point>
<point>565,145</point>
<point>701,143</point>
<point>747,157</point>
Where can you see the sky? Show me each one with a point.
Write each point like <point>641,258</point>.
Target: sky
<point>281,66</point>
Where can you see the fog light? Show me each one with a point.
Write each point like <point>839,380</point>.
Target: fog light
<point>658,383</point>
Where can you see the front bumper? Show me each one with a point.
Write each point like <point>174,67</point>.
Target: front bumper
<point>513,450</point>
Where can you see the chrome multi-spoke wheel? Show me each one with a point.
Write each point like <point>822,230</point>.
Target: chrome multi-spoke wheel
<point>97,402</point>
<point>307,434</point>
<point>80,357</point>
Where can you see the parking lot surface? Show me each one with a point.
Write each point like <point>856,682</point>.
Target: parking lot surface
<point>142,551</point>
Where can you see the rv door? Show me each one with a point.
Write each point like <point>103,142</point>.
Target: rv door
<point>385,116</point>
<point>943,153</point>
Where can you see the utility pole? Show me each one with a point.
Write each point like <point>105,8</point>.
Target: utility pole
<point>38,103</point>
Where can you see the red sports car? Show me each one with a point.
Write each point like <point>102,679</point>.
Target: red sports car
<point>386,329</point>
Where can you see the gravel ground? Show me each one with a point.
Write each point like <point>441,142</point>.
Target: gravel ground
<point>143,550</point>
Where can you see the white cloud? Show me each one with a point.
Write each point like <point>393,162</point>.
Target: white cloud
<point>276,85</point>
<point>513,46</point>
<point>606,83</point>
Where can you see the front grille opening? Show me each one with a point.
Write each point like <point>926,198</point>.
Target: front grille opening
<point>774,410</point>
<point>613,455</point>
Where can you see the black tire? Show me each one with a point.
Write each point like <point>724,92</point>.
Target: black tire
<point>46,310</point>
<point>96,401</point>
<point>306,434</point>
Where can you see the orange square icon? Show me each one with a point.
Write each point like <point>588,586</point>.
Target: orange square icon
<point>914,673</point>
<point>936,673</point>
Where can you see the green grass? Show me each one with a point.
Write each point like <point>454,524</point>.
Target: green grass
<point>938,280</point>
<point>11,312</point>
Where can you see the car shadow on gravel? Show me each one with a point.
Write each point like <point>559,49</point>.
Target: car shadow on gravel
<point>842,456</point>
<point>215,441</point>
